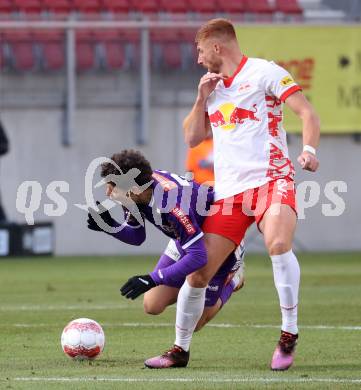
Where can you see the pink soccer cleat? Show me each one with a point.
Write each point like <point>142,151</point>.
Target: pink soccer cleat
<point>283,355</point>
<point>175,357</point>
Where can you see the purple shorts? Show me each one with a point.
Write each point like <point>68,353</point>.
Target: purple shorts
<point>174,252</point>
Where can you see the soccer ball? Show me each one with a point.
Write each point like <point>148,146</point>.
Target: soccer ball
<point>83,339</point>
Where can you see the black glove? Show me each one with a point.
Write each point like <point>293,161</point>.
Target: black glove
<point>105,216</point>
<point>136,286</point>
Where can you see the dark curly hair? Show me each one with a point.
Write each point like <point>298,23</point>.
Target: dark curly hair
<point>126,160</point>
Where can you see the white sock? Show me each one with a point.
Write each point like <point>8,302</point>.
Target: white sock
<point>190,305</point>
<point>286,274</point>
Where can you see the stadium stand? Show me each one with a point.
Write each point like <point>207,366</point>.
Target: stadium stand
<point>135,8</point>
<point>20,50</point>
<point>145,6</point>
<point>166,50</point>
<point>85,50</point>
<point>51,49</point>
<point>6,7</point>
<point>111,46</point>
<point>175,6</point>
<point>88,6</point>
<point>28,6</point>
<point>116,6</point>
<point>260,7</point>
<point>61,7</point>
<point>111,50</point>
<point>288,7</point>
<point>2,58</point>
<point>200,7</point>
<point>233,7</point>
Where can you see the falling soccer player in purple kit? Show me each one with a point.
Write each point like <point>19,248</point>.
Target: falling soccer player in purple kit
<point>178,208</point>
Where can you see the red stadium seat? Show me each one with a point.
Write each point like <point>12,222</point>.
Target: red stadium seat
<point>187,37</point>
<point>203,6</point>
<point>145,6</point>
<point>290,7</point>
<point>6,6</point>
<point>114,48</point>
<point>164,35</point>
<point>52,44</point>
<point>117,6</point>
<point>85,46</point>
<point>21,46</point>
<point>58,6</point>
<point>132,38</point>
<point>232,6</point>
<point>28,6</point>
<point>259,7</point>
<point>174,6</point>
<point>166,51</point>
<point>131,35</point>
<point>89,6</point>
<point>172,55</point>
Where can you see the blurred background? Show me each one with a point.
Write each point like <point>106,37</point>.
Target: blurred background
<point>86,78</point>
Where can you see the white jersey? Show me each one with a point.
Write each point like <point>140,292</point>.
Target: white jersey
<point>245,112</point>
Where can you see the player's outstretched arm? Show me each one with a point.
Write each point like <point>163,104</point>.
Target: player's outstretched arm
<point>173,275</point>
<point>196,125</point>
<point>310,130</point>
<point>129,232</point>
<point>194,259</point>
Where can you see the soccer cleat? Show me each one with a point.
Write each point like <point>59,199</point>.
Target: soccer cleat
<point>283,355</point>
<point>238,278</point>
<point>175,357</point>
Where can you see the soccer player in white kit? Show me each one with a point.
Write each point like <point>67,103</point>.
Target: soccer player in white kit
<point>241,100</point>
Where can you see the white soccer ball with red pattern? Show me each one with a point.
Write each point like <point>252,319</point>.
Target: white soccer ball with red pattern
<point>83,339</point>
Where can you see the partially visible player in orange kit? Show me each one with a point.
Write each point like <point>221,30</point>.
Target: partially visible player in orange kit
<point>241,99</point>
<point>200,162</point>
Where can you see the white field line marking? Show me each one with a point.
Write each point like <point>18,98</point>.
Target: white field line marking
<point>211,325</point>
<point>64,307</point>
<point>195,380</point>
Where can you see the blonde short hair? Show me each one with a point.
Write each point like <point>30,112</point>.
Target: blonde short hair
<point>216,28</point>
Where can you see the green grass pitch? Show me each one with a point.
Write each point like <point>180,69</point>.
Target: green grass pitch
<point>40,296</point>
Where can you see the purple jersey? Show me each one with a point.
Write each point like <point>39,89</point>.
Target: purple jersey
<point>178,207</point>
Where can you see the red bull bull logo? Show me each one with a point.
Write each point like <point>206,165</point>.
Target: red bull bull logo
<point>228,116</point>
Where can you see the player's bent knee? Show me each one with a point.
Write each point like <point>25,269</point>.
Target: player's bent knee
<point>277,247</point>
<point>197,279</point>
<point>152,308</point>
